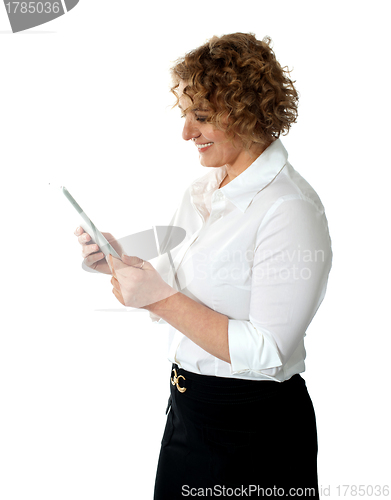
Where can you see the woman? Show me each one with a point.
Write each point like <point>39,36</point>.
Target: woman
<point>241,290</point>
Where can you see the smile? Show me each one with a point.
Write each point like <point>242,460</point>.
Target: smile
<point>203,146</point>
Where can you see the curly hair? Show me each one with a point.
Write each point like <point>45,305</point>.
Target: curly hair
<point>239,77</point>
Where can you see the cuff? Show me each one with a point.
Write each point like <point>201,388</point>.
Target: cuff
<point>251,348</point>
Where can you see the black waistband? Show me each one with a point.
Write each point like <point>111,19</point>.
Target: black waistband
<point>225,389</point>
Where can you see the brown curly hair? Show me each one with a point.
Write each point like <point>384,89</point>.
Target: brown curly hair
<point>239,76</point>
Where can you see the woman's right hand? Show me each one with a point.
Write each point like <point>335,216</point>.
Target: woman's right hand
<point>93,257</point>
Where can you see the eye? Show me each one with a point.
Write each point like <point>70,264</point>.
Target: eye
<point>201,118</point>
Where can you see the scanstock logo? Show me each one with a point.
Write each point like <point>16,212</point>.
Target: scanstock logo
<point>26,15</point>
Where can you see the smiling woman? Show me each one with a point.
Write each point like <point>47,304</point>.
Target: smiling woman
<point>242,413</point>
<point>237,294</point>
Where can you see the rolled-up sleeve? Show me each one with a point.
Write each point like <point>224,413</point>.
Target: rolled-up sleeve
<point>292,260</point>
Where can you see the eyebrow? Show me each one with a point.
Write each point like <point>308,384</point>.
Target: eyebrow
<point>194,110</point>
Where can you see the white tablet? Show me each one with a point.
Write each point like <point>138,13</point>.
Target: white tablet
<point>90,228</point>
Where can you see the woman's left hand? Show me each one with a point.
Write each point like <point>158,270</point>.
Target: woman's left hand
<point>136,284</point>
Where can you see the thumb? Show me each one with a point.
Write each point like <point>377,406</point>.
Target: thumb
<point>114,264</point>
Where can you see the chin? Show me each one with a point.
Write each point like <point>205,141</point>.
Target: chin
<point>209,164</point>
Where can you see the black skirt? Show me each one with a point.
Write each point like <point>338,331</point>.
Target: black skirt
<point>238,438</point>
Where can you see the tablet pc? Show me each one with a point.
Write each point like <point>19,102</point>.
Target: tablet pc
<point>90,228</point>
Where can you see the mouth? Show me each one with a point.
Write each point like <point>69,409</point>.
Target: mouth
<point>203,147</point>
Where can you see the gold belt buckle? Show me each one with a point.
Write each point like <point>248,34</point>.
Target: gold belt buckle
<point>175,381</point>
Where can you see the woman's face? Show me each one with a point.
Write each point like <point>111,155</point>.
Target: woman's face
<point>214,148</point>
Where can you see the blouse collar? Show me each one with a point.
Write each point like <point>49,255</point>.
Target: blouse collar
<point>242,190</point>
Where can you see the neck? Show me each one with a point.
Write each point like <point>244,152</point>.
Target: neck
<point>249,157</point>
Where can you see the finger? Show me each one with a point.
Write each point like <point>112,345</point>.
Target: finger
<point>118,296</point>
<point>116,264</point>
<point>93,258</point>
<point>109,259</point>
<point>89,249</point>
<point>132,261</point>
<point>84,238</point>
<point>79,231</point>
<point>115,284</point>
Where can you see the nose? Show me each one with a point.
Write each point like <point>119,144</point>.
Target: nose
<point>190,129</point>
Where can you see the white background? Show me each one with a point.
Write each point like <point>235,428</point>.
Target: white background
<point>85,103</point>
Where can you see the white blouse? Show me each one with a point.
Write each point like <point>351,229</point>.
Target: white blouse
<point>258,251</point>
